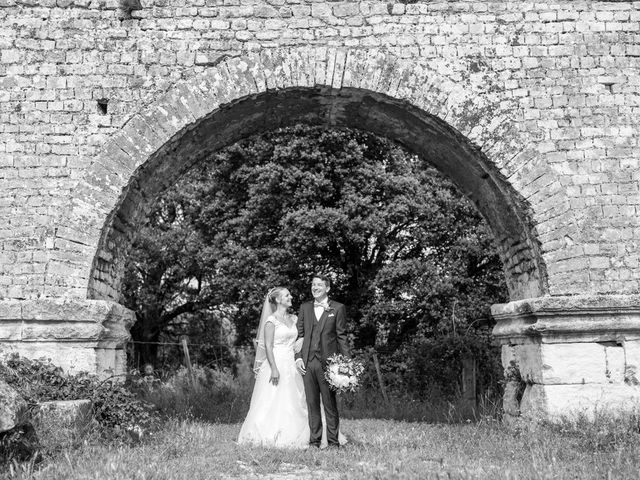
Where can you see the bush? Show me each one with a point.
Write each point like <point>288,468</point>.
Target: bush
<point>434,365</point>
<point>423,379</point>
<point>116,408</point>
<point>437,362</point>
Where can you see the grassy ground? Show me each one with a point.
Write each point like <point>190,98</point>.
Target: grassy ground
<point>381,449</point>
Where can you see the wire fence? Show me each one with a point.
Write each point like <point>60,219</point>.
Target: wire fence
<point>169,355</point>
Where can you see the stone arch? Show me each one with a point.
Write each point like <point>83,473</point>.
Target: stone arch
<point>467,132</point>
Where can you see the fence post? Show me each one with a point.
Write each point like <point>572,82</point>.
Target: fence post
<point>187,359</point>
<point>380,380</point>
<point>469,381</point>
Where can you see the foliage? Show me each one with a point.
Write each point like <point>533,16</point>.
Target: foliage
<point>423,381</point>
<point>437,362</point>
<point>408,254</point>
<point>207,394</point>
<point>115,406</point>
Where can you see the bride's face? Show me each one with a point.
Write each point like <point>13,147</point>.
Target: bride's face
<point>285,298</point>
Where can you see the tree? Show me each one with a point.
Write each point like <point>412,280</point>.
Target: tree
<point>402,245</point>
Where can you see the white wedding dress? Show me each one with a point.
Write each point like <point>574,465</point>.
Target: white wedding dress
<point>278,415</point>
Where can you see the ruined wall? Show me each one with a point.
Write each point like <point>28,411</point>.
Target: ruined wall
<point>74,72</point>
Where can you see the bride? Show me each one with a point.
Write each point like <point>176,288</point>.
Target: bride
<point>278,412</point>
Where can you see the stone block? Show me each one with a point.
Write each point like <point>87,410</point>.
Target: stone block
<point>510,400</point>
<point>558,402</point>
<point>62,421</point>
<point>13,408</point>
<point>632,362</point>
<point>615,363</point>
<point>562,363</point>
<point>106,357</point>
<point>508,355</point>
<point>71,357</point>
<point>10,310</point>
<point>63,331</point>
<point>10,330</point>
<point>580,318</point>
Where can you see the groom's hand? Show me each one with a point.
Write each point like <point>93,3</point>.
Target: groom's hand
<point>300,366</point>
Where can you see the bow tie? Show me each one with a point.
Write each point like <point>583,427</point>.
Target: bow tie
<point>323,305</point>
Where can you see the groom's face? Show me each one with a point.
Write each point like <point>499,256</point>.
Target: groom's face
<point>319,289</point>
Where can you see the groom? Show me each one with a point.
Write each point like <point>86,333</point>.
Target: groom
<point>323,325</point>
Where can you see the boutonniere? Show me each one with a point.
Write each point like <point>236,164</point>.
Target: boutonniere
<point>327,308</point>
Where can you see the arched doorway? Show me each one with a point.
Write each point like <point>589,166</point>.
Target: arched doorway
<point>469,136</point>
<point>426,135</point>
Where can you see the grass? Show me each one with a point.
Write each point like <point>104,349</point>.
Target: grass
<point>443,440</point>
<point>383,449</point>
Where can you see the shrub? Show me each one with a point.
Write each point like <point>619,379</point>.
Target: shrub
<point>422,381</point>
<point>434,366</point>
<point>115,407</point>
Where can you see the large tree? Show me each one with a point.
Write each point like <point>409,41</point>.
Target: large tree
<point>409,255</point>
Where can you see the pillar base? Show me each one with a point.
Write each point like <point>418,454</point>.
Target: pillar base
<point>566,357</point>
<point>77,335</point>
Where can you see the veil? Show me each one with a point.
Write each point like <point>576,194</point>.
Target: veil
<point>261,351</point>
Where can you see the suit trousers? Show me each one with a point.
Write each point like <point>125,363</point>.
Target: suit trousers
<point>316,386</point>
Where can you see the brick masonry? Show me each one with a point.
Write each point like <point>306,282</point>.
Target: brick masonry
<point>548,95</point>
<point>531,108</point>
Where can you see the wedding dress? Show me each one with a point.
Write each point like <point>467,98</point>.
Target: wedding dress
<point>278,415</point>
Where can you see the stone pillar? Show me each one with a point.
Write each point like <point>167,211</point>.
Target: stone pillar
<point>78,335</point>
<point>570,356</point>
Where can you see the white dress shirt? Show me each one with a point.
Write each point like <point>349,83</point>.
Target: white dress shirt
<point>319,308</point>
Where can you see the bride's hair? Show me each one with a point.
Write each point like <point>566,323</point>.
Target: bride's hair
<point>274,294</point>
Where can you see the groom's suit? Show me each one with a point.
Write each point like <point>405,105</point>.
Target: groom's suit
<point>322,338</point>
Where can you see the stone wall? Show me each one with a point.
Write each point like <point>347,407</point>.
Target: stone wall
<point>576,355</point>
<point>566,71</point>
<point>531,108</point>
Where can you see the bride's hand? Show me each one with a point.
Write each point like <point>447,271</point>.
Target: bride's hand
<point>275,376</point>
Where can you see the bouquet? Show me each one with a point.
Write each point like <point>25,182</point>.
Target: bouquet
<point>343,374</point>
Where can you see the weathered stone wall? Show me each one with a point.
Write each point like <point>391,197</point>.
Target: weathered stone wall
<point>571,355</point>
<point>567,72</point>
<point>531,108</point>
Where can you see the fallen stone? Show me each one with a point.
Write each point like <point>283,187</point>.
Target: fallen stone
<point>62,422</point>
<point>13,408</point>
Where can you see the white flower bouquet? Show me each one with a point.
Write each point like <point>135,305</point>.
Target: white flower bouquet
<point>343,374</point>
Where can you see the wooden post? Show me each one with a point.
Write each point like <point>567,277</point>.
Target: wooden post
<point>469,381</point>
<point>379,374</point>
<point>187,359</point>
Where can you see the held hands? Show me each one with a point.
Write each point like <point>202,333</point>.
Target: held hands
<point>300,366</point>
<point>275,377</point>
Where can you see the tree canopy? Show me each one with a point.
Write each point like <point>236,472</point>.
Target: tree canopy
<point>409,255</point>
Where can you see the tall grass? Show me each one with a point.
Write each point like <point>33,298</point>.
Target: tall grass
<point>204,394</point>
<point>218,396</point>
<point>430,437</point>
<point>433,408</point>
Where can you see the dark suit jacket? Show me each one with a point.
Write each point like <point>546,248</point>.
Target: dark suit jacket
<point>333,330</point>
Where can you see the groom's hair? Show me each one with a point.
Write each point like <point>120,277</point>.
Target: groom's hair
<point>324,278</point>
